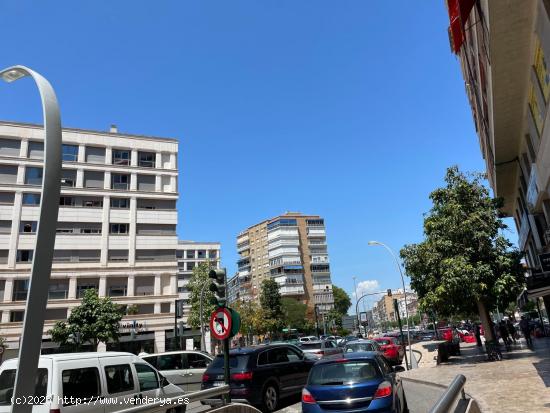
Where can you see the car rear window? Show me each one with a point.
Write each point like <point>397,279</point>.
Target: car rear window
<point>7,383</point>
<point>384,342</point>
<point>350,348</point>
<point>236,361</point>
<point>310,346</point>
<point>348,372</point>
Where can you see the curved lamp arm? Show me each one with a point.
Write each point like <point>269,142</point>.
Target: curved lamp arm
<point>37,298</point>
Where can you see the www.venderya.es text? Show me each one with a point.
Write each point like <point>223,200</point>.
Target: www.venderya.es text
<point>98,400</point>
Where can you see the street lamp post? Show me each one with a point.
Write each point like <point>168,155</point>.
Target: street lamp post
<point>356,313</point>
<point>404,292</point>
<point>37,298</point>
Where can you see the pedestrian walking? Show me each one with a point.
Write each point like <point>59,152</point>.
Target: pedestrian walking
<point>511,330</point>
<point>503,331</point>
<point>525,327</point>
<point>477,332</point>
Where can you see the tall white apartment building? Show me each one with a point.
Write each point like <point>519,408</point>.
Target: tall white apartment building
<point>116,229</point>
<point>190,254</point>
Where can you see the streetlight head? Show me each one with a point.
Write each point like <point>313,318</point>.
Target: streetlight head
<point>11,75</point>
<point>374,243</point>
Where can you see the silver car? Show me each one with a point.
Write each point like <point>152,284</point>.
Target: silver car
<point>183,368</point>
<point>321,349</point>
<point>362,345</point>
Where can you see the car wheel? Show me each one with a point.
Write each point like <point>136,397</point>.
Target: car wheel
<point>270,398</point>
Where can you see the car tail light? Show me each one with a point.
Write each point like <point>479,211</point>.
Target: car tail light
<point>205,377</point>
<point>55,410</point>
<point>247,375</point>
<point>320,352</point>
<point>307,397</point>
<point>383,390</point>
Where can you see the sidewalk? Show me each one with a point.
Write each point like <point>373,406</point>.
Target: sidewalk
<point>518,383</point>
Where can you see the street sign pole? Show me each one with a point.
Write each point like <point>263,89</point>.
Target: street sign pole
<point>396,307</point>
<point>226,367</point>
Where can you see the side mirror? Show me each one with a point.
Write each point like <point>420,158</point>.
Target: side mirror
<point>163,381</point>
<point>397,369</point>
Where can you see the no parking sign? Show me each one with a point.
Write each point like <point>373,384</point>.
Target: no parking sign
<point>220,323</point>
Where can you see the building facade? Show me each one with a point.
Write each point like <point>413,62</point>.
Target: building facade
<point>383,310</point>
<point>292,250</point>
<point>504,47</point>
<point>116,229</point>
<point>189,255</point>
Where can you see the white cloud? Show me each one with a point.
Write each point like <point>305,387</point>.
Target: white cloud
<point>367,286</point>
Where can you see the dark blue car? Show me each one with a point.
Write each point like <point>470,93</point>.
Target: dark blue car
<point>357,382</point>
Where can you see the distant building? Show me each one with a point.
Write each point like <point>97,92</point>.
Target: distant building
<point>292,250</point>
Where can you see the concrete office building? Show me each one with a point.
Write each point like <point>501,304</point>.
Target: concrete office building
<point>504,47</point>
<point>291,249</point>
<point>189,255</point>
<point>116,229</point>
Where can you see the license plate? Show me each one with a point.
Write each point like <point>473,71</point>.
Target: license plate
<point>218,383</point>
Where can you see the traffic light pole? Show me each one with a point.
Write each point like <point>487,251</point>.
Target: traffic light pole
<point>226,367</point>
<point>176,341</point>
<point>396,308</point>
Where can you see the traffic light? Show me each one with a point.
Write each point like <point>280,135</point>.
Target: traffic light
<point>389,292</point>
<point>218,286</point>
<point>179,308</point>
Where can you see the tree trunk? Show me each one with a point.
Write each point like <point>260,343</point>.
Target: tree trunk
<point>485,321</point>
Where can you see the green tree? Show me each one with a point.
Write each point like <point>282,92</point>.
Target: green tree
<point>294,313</point>
<point>464,264</point>
<point>200,280</point>
<point>252,318</point>
<point>342,302</point>
<point>95,320</point>
<point>270,301</point>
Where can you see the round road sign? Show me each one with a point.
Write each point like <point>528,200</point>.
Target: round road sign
<point>220,323</point>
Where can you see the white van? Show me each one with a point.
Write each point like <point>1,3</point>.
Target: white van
<point>89,382</point>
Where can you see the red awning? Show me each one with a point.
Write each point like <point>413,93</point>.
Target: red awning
<point>459,11</point>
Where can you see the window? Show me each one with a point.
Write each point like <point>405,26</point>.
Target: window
<point>190,266</point>
<point>82,383</point>
<point>58,290</point>
<point>5,227</point>
<point>90,230</point>
<point>17,316</point>
<point>197,361</point>
<point>33,176</point>
<point>10,147</point>
<point>147,377</point>
<point>31,199</point>
<point>92,203</point>
<point>24,255</point>
<point>69,153</point>
<point>7,198</point>
<point>170,362</point>
<point>117,291</point>
<point>119,378</point>
<point>120,181</point>
<point>8,174</point>
<point>190,254</point>
<point>146,159</point>
<point>119,229</point>
<point>93,179</point>
<point>68,177</point>
<point>277,355</point>
<point>121,157</point>
<point>28,226</point>
<point>7,384</point>
<point>36,150</point>
<point>201,254</point>
<point>123,203</point>
<point>535,110</point>
<point>343,372</point>
<point>118,255</point>
<point>146,183</point>
<point>66,201</point>
<point>212,254</point>
<point>81,288</point>
<point>95,155</point>
<point>20,289</point>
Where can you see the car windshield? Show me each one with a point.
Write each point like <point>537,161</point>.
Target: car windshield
<point>310,346</point>
<point>350,348</point>
<point>236,361</point>
<point>348,372</point>
<point>7,380</point>
<point>384,341</point>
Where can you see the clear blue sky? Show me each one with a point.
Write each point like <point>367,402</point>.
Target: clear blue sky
<point>351,109</point>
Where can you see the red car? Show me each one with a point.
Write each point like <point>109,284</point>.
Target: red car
<point>393,351</point>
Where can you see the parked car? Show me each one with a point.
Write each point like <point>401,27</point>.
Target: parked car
<point>88,377</point>
<point>307,339</point>
<point>355,383</point>
<point>363,345</point>
<point>183,368</point>
<point>393,351</point>
<point>321,349</point>
<point>452,345</point>
<point>260,375</point>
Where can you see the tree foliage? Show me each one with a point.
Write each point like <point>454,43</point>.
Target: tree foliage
<point>294,313</point>
<point>342,301</point>
<point>270,302</point>
<point>199,280</point>
<point>252,317</point>
<point>95,320</point>
<point>464,261</point>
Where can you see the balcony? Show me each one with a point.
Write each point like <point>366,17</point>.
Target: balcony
<point>157,216</point>
<point>291,290</point>
<point>243,247</point>
<point>244,273</point>
<point>316,232</point>
<point>283,233</point>
<point>156,241</point>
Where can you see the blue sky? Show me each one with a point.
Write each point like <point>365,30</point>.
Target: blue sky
<point>351,110</point>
